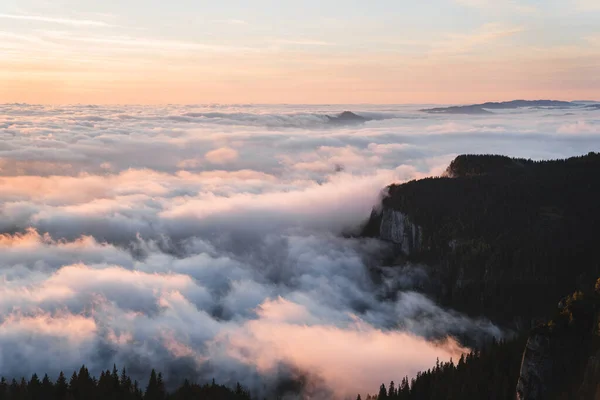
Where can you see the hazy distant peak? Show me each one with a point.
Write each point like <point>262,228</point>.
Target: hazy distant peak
<point>484,108</point>
<point>346,117</point>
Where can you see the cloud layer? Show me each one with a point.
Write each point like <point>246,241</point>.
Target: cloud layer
<point>206,241</point>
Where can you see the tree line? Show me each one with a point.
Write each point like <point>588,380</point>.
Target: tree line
<point>112,385</point>
<point>490,373</point>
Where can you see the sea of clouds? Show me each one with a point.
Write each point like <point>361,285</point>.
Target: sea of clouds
<point>207,240</point>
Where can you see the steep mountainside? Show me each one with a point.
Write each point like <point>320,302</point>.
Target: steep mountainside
<point>501,233</point>
<point>561,361</point>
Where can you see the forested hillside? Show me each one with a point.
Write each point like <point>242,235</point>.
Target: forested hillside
<point>506,239</point>
<point>490,373</point>
<point>504,232</point>
<point>565,367</point>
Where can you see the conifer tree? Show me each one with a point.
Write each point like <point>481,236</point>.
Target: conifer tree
<point>61,388</point>
<point>3,388</point>
<point>382,393</point>
<point>392,391</point>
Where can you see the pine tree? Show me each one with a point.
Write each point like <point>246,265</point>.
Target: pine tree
<point>238,389</point>
<point>115,383</point>
<point>162,393</point>
<point>74,389</point>
<point>61,388</point>
<point>126,385</point>
<point>34,388</point>
<point>23,390</point>
<point>382,393</point>
<point>3,388</point>
<point>104,387</point>
<point>155,388</point>
<point>392,391</point>
<point>137,391</point>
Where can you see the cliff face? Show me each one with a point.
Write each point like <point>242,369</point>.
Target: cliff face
<point>560,360</point>
<point>536,369</point>
<point>397,228</point>
<point>590,387</point>
<point>555,367</point>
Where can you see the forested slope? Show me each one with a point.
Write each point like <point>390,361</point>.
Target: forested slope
<point>561,361</point>
<point>503,232</point>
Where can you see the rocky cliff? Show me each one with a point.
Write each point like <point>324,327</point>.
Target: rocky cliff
<point>394,226</point>
<point>590,386</point>
<point>536,369</point>
<point>560,360</point>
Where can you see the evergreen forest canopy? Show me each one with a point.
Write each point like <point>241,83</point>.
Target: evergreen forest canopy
<point>510,237</point>
<point>113,385</point>
<point>492,373</point>
<point>503,232</point>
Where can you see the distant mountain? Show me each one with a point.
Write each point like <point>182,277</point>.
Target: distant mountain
<point>505,105</point>
<point>346,118</point>
<point>586,101</point>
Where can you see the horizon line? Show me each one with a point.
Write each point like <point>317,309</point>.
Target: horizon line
<point>285,103</point>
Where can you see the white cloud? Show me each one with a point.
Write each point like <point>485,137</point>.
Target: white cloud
<point>303,42</point>
<point>206,238</point>
<point>579,127</point>
<point>500,5</point>
<point>231,21</point>
<point>222,155</point>
<point>458,43</point>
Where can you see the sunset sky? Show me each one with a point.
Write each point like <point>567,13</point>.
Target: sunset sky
<point>267,51</point>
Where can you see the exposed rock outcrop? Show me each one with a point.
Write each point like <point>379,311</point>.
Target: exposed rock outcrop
<point>561,358</point>
<point>396,227</point>
<point>536,369</point>
<point>590,387</point>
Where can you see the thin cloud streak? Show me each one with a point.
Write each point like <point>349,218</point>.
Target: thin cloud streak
<point>464,43</point>
<point>63,21</point>
<point>140,42</point>
<point>232,21</point>
<point>491,5</point>
<point>303,42</point>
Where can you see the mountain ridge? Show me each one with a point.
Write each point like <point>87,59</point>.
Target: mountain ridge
<point>506,238</point>
<point>490,258</point>
<point>484,108</point>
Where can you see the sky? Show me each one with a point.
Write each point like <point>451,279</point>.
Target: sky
<point>267,51</point>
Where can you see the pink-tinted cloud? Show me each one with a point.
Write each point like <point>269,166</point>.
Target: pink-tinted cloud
<point>350,359</point>
<point>222,155</point>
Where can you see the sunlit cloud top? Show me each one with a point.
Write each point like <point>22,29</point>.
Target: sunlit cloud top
<point>266,51</point>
